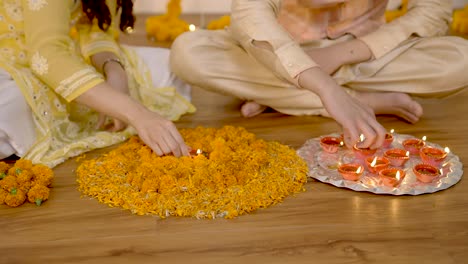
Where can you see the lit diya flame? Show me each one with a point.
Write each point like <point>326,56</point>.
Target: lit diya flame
<point>392,131</point>
<point>341,144</point>
<point>447,150</point>
<point>407,154</point>
<point>397,176</point>
<point>192,27</point>
<point>199,151</point>
<point>424,138</point>
<point>359,170</point>
<point>374,162</point>
<point>362,137</point>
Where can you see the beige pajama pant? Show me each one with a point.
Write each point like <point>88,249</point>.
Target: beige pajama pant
<point>424,67</point>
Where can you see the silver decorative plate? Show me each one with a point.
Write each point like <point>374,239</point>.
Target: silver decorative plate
<point>323,167</point>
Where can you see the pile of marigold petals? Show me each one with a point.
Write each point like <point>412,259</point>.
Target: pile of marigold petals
<point>24,181</point>
<point>235,174</point>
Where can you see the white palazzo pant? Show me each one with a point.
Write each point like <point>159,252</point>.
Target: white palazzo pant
<point>17,130</point>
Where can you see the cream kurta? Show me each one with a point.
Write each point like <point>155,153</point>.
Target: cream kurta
<point>411,55</point>
<point>51,69</point>
<point>256,20</point>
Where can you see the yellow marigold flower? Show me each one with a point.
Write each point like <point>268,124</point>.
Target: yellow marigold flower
<point>43,175</point>
<point>8,183</point>
<point>23,164</point>
<point>169,26</point>
<point>391,15</point>
<point>220,23</point>
<point>15,198</point>
<point>38,194</point>
<point>460,20</point>
<point>4,168</point>
<point>236,174</point>
<point>25,186</point>
<point>24,176</point>
<point>3,195</point>
<point>13,171</point>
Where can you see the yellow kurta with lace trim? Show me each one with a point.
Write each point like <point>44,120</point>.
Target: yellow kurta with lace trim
<point>50,64</point>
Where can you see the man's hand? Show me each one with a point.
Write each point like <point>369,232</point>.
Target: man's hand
<point>354,116</point>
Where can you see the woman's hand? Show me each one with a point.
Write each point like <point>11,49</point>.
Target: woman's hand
<point>160,134</point>
<point>116,77</point>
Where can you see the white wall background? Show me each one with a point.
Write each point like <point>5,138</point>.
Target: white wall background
<point>188,6</point>
<point>217,6</point>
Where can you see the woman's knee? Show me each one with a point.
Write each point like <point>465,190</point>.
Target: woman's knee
<point>185,61</point>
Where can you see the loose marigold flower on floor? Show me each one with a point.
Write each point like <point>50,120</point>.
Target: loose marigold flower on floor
<point>38,194</point>
<point>235,174</point>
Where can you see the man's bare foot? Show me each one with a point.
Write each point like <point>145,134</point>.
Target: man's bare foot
<point>251,109</point>
<point>399,104</point>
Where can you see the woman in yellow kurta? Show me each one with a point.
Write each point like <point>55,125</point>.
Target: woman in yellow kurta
<point>57,85</point>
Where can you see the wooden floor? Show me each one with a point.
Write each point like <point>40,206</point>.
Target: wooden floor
<point>325,224</point>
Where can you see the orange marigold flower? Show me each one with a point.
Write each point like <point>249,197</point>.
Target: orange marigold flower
<point>4,167</point>
<point>23,164</point>
<point>3,195</point>
<point>38,194</point>
<point>15,198</point>
<point>43,175</point>
<point>235,174</point>
<point>8,183</point>
<point>24,176</point>
<point>14,171</point>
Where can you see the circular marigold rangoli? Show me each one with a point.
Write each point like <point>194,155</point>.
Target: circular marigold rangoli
<point>236,173</point>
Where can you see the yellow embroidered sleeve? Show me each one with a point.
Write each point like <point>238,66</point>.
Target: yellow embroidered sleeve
<point>51,51</point>
<point>257,21</point>
<point>425,18</point>
<point>94,40</point>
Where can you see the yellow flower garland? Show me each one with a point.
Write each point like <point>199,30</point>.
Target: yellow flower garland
<point>219,23</point>
<point>236,174</point>
<point>460,21</point>
<point>168,26</point>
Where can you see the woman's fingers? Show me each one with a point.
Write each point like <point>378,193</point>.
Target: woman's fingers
<point>179,141</point>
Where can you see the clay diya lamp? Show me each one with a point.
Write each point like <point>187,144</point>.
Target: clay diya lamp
<point>331,144</point>
<point>397,157</point>
<point>363,153</point>
<point>433,156</point>
<point>388,140</point>
<point>351,172</point>
<point>425,172</point>
<point>392,177</point>
<point>198,152</point>
<point>376,164</point>
<point>414,145</point>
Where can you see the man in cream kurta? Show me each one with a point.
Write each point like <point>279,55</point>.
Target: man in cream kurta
<point>269,44</point>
